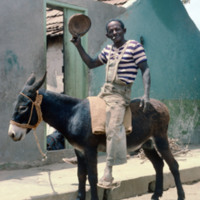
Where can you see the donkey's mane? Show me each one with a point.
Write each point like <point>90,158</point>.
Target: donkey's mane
<point>59,98</point>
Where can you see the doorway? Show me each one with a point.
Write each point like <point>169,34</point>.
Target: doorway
<point>66,72</point>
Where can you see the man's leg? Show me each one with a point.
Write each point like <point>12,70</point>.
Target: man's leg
<point>116,136</point>
<point>116,139</point>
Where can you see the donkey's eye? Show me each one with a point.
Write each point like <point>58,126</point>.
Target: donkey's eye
<point>22,108</point>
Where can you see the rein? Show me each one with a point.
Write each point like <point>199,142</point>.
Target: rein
<point>37,105</point>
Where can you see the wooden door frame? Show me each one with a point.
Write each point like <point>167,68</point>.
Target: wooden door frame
<point>73,64</point>
<point>75,71</point>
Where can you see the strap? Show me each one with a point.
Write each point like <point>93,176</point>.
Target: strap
<point>119,58</point>
<point>117,61</point>
<point>35,104</point>
<point>108,62</point>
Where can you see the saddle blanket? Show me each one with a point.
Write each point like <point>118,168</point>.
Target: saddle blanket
<point>98,116</point>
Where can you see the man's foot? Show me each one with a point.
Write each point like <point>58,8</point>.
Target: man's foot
<point>107,179</point>
<point>72,160</point>
<point>105,183</point>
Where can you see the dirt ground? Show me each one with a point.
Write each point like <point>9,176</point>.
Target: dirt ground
<point>192,192</point>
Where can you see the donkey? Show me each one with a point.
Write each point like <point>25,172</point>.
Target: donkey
<point>71,117</point>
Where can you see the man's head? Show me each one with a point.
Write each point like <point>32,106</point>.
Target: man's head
<point>115,30</point>
<point>115,20</point>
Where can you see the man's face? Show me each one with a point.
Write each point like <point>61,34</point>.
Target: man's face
<point>115,31</point>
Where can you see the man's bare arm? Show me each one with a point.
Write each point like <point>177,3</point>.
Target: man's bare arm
<point>90,62</point>
<point>146,82</point>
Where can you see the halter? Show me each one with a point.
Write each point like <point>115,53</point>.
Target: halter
<point>36,103</point>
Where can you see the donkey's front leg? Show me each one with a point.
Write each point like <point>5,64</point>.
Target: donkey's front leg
<point>82,174</point>
<point>91,159</point>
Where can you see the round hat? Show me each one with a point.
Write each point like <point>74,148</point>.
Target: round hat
<point>79,24</point>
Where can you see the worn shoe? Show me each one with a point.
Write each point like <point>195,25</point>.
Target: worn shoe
<point>72,160</point>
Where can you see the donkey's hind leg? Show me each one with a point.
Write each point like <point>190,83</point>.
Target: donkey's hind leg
<point>158,165</point>
<point>82,175</point>
<point>164,149</point>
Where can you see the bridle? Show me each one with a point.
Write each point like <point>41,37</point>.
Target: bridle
<point>37,105</point>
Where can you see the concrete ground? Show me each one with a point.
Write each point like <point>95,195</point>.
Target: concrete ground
<point>59,181</point>
<point>191,190</point>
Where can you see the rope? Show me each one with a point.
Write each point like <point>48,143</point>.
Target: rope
<point>36,103</point>
<point>39,147</point>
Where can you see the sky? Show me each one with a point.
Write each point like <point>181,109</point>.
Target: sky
<point>193,9</point>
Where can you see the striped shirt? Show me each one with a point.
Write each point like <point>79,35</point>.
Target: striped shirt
<point>128,65</point>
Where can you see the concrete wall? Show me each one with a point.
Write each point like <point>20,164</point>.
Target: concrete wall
<point>172,42</point>
<point>54,60</point>
<point>22,51</point>
<point>54,63</point>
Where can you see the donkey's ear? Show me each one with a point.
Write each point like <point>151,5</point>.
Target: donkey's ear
<point>39,83</point>
<point>31,79</point>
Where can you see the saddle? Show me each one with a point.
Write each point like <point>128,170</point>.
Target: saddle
<point>98,116</point>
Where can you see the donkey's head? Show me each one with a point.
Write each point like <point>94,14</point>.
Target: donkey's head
<point>27,112</point>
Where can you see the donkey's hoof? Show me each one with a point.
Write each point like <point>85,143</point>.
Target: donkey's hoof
<point>154,197</point>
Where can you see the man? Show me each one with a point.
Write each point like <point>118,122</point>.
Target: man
<point>123,60</point>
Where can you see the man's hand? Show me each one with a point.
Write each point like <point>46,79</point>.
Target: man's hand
<point>145,103</point>
<point>76,40</point>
